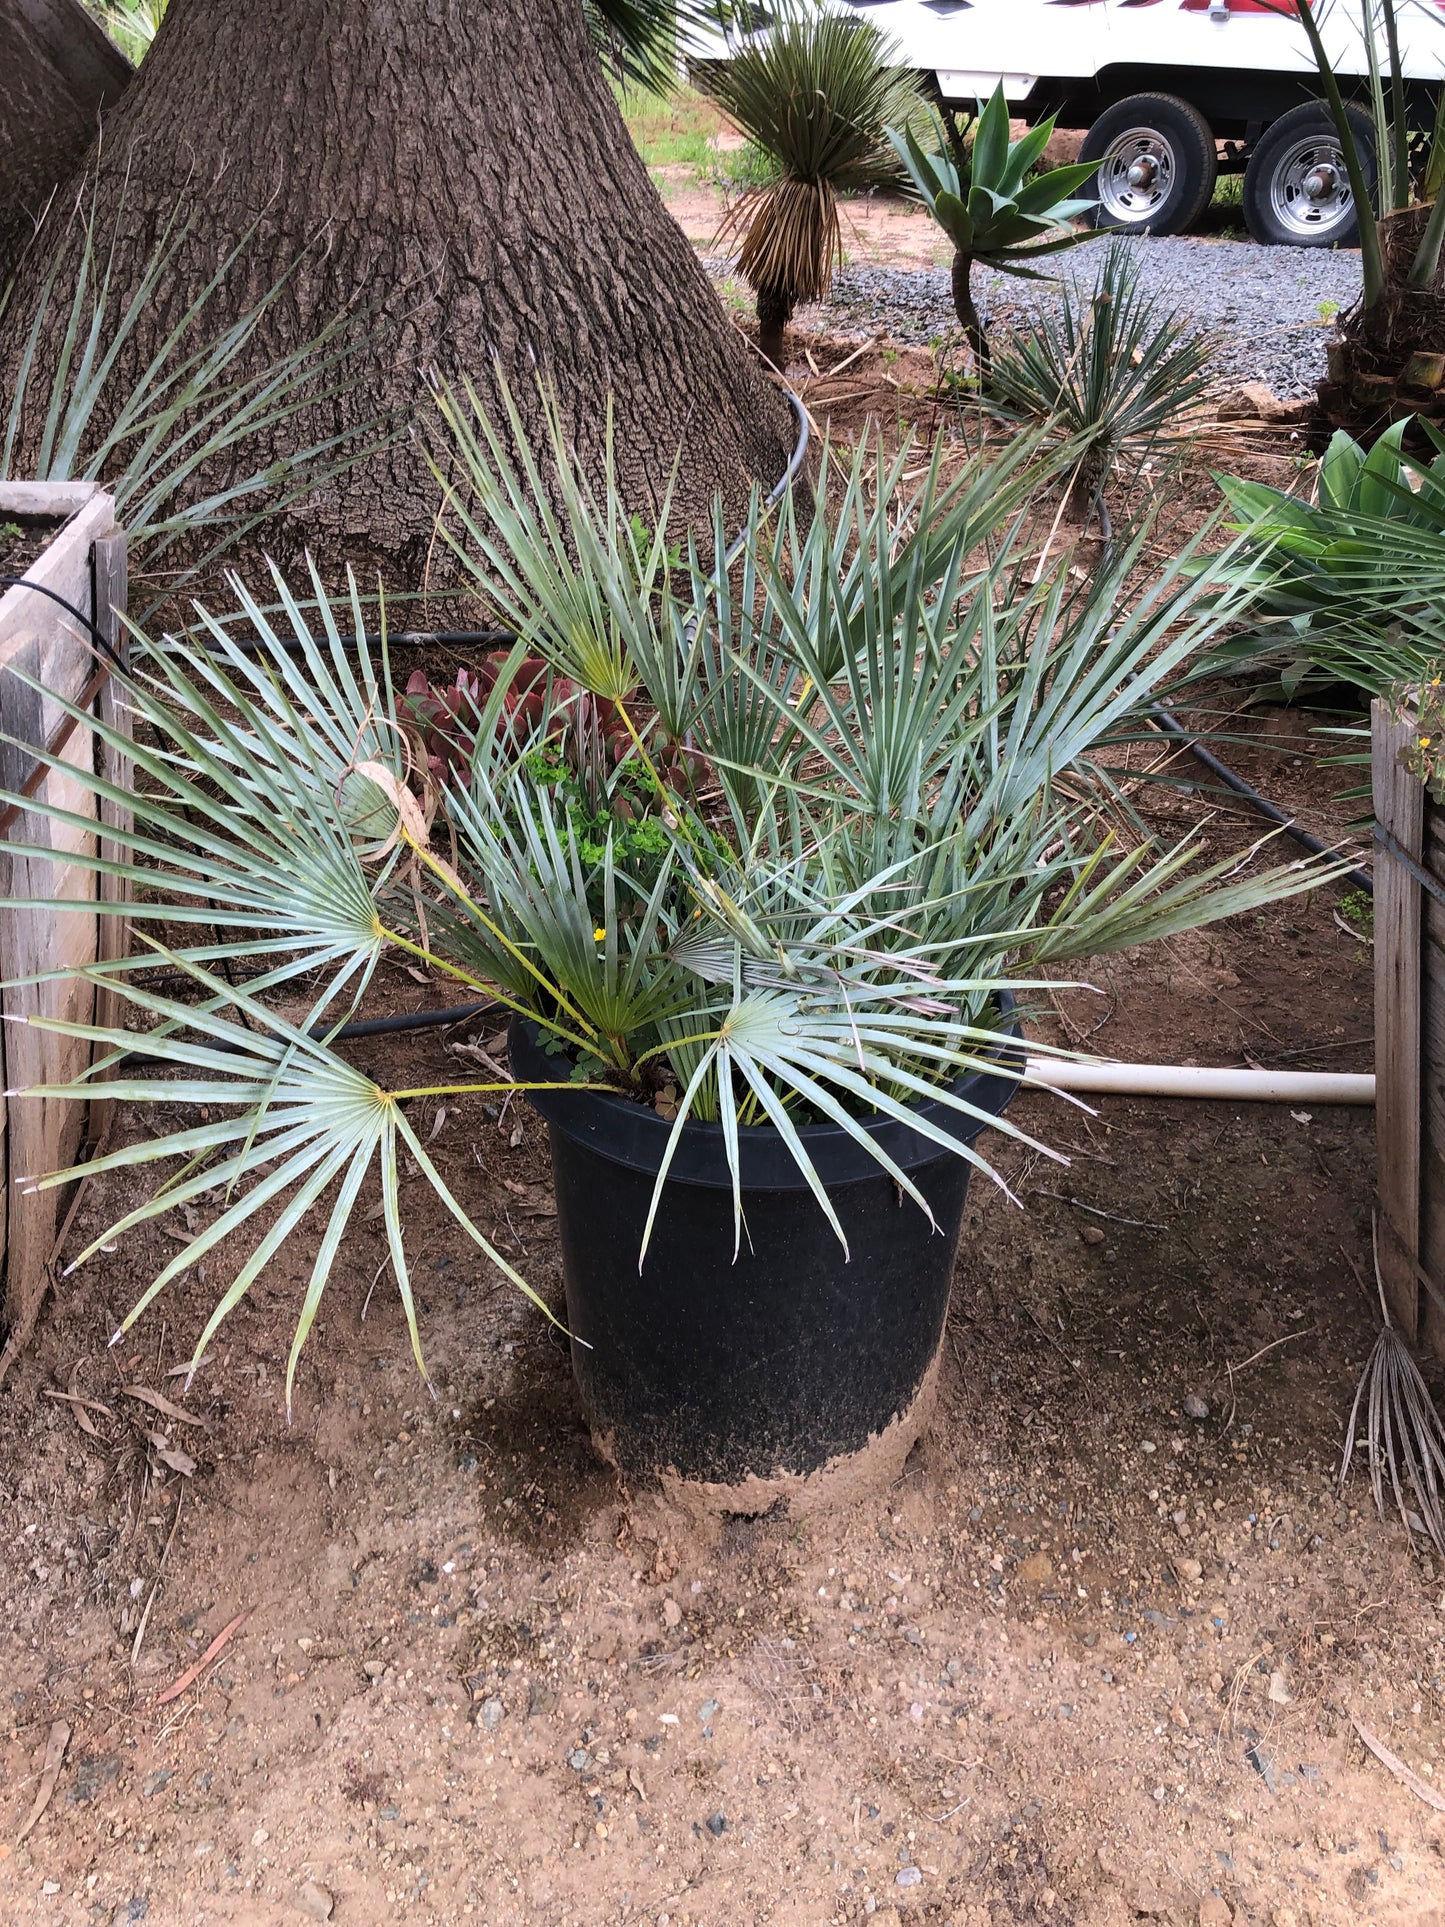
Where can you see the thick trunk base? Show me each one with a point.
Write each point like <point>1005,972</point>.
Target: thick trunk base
<point>775,311</point>
<point>1389,363</point>
<point>464,165</point>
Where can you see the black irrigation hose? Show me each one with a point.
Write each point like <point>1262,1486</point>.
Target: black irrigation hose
<point>422,1020</point>
<point>1170,724</point>
<point>39,588</point>
<point>363,1027</point>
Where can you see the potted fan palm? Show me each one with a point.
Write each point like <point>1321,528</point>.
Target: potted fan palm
<point>757,860</point>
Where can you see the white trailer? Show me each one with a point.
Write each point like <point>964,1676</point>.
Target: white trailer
<point>1171,92</point>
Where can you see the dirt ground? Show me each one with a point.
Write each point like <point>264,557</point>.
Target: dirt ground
<point>882,229</point>
<point>1096,1658</point>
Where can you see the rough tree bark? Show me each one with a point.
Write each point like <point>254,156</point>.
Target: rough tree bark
<point>57,70</point>
<point>464,160</point>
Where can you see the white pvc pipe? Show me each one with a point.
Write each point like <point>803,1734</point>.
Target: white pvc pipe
<point>1171,1080</point>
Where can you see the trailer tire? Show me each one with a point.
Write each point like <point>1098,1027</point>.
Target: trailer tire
<point>1296,154</point>
<point>1157,165</point>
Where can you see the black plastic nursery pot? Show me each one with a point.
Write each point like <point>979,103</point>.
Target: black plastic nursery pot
<point>791,1371</point>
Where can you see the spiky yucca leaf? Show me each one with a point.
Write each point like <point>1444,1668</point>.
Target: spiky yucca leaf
<point>1114,370</point>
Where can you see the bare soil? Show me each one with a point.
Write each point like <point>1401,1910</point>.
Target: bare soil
<point>23,538</point>
<point>1090,1660</point>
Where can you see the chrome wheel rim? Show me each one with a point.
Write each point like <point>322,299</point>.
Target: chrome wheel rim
<point>1137,172</point>
<point>1309,190</point>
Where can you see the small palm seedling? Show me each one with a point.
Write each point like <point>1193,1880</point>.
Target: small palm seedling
<point>773,839</point>
<point>814,92</point>
<point>991,204</point>
<point>1113,378</point>
<point>1402,1434</point>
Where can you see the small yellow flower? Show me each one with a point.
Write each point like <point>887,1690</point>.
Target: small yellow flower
<point>598,936</point>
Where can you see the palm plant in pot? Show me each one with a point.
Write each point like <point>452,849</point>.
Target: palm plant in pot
<point>758,861</point>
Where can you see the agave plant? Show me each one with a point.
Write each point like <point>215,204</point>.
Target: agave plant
<point>1351,583</point>
<point>187,413</point>
<point>1113,377</point>
<point>815,92</point>
<point>843,797</point>
<point>989,202</point>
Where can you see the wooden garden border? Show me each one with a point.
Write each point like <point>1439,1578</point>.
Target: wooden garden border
<point>85,563</point>
<point>1409,1034</point>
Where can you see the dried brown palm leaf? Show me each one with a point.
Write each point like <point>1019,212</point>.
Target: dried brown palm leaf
<point>815,92</point>
<point>1403,1434</point>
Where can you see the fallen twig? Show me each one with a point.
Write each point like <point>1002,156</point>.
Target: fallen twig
<point>74,1398</point>
<point>158,1403</point>
<point>1398,1767</point>
<point>140,1631</point>
<point>1141,1224</point>
<point>193,1673</point>
<point>49,1773</point>
<point>1255,1356</point>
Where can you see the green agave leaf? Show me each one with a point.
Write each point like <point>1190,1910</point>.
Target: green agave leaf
<point>991,140</point>
<point>955,220</point>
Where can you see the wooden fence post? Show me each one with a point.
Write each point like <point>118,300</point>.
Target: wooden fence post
<point>1399,941</point>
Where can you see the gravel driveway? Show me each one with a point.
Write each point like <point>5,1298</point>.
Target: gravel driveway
<point>1265,303</point>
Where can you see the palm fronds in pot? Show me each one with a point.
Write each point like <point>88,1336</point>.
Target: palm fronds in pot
<point>772,840</point>
<point>814,89</point>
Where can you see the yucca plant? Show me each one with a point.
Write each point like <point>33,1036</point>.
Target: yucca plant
<point>989,201</point>
<point>844,796</point>
<point>184,417</point>
<point>1113,371</point>
<point>814,91</point>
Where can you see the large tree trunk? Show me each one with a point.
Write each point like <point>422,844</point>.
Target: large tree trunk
<point>57,70</point>
<point>465,161</point>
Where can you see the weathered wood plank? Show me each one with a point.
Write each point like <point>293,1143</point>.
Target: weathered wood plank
<point>108,563</point>
<point>44,1134</point>
<point>45,498</point>
<point>1399,800</point>
<point>1431,1322</point>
